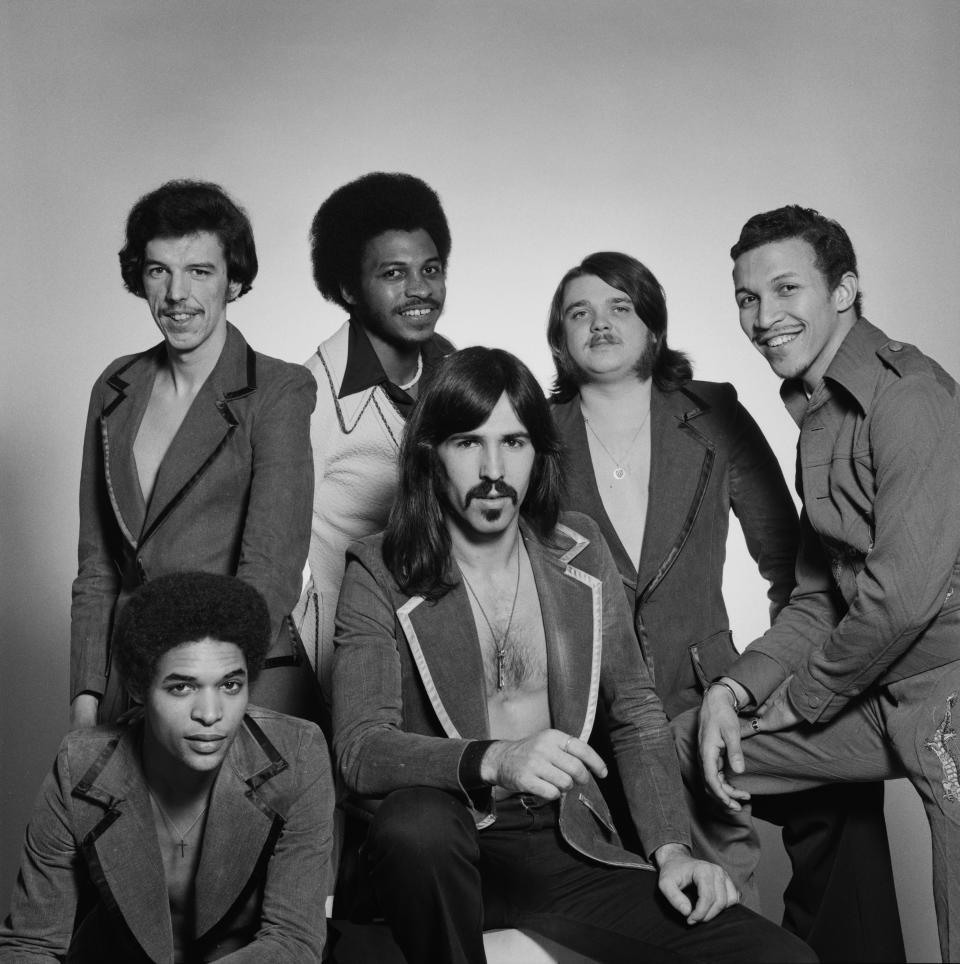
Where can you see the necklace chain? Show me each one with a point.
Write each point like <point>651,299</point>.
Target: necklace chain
<point>413,381</point>
<point>501,643</point>
<point>619,470</point>
<point>176,830</point>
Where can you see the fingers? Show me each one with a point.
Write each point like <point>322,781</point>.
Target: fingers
<point>677,899</point>
<point>548,764</point>
<point>587,756</point>
<point>715,892</point>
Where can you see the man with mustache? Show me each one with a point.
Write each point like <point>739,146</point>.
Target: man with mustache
<point>660,461</point>
<point>379,247</point>
<point>476,637</point>
<point>858,678</point>
<point>196,452</point>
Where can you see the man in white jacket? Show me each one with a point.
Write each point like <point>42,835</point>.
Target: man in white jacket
<point>379,247</point>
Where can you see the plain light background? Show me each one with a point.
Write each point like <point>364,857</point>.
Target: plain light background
<point>550,128</point>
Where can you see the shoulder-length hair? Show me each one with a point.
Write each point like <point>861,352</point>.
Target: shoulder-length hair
<point>671,369</point>
<point>465,390</point>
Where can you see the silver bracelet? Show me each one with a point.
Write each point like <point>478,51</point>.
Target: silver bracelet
<point>730,690</point>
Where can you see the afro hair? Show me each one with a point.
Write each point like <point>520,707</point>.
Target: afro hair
<point>361,210</point>
<point>187,607</point>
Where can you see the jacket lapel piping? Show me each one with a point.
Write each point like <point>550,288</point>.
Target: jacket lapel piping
<point>195,478</point>
<point>277,763</point>
<point>596,589</point>
<point>706,467</point>
<point>364,399</point>
<point>403,614</point>
<point>105,443</point>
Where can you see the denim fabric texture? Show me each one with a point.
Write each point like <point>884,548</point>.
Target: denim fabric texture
<point>409,688</point>
<point>878,575</point>
<point>233,494</point>
<point>91,876</point>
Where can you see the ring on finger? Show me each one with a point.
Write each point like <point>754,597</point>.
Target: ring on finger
<point>567,744</point>
<point>755,724</point>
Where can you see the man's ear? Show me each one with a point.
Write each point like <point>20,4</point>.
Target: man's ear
<point>233,290</point>
<point>845,292</point>
<point>348,297</point>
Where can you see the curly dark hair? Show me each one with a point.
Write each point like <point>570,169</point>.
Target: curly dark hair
<point>830,242</point>
<point>183,207</point>
<point>361,210</point>
<point>185,607</point>
<point>671,368</point>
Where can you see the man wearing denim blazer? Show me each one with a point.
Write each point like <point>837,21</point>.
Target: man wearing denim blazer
<point>475,639</point>
<point>202,831</point>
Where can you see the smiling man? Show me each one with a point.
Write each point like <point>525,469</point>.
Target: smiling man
<point>197,451</point>
<point>475,638</point>
<point>858,678</point>
<point>200,832</point>
<point>379,246</point>
<point>661,462</point>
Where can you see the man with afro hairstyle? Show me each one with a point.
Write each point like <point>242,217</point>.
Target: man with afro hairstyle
<point>379,247</point>
<point>199,831</point>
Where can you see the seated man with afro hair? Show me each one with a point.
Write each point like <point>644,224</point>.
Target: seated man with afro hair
<point>198,831</point>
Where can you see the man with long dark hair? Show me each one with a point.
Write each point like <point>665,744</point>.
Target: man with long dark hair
<point>379,248</point>
<point>475,639</point>
<point>660,461</point>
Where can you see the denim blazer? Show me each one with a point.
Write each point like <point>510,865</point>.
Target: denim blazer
<point>409,690</point>
<point>707,456</point>
<point>91,877</point>
<point>233,494</point>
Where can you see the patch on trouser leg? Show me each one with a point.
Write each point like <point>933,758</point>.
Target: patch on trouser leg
<point>944,745</point>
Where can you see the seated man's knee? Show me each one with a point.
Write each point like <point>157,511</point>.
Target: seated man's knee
<point>422,826</point>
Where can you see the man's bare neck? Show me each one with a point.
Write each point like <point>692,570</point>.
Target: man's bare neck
<point>487,556</point>
<point>187,371</point>
<point>615,401</point>
<point>399,362</point>
<point>177,791</point>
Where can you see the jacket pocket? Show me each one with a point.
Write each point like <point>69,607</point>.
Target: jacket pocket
<point>713,656</point>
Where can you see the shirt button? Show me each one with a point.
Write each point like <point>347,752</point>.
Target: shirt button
<point>895,346</point>
<point>813,701</point>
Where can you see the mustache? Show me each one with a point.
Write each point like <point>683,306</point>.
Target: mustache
<point>603,339</point>
<point>420,303</point>
<point>495,487</point>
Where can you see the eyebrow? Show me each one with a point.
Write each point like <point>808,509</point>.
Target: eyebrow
<point>400,263</point>
<point>620,300</point>
<point>192,264</point>
<point>183,678</point>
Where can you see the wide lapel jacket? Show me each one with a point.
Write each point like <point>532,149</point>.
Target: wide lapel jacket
<point>410,671</point>
<point>446,648</point>
<point>205,429</point>
<point>119,842</point>
<point>681,461</point>
<point>232,494</point>
<point>707,456</point>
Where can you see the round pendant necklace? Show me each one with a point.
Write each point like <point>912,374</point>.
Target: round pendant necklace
<point>501,643</point>
<point>619,465</point>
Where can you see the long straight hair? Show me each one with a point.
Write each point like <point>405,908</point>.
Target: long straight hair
<point>465,390</point>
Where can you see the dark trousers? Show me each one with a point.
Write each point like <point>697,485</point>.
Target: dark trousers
<point>841,898</point>
<point>439,882</point>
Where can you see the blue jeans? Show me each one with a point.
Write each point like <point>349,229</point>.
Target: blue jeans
<point>439,882</point>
